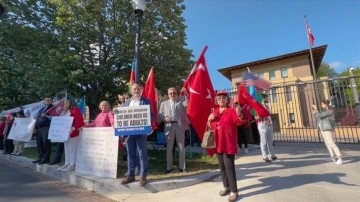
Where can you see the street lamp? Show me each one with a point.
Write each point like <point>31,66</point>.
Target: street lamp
<point>139,8</point>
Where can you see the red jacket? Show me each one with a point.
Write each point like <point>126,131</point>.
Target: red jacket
<point>2,127</point>
<point>78,121</point>
<point>225,127</point>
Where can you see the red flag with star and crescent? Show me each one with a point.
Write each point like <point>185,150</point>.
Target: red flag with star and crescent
<point>310,35</point>
<point>245,98</point>
<point>150,94</point>
<point>201,96</point>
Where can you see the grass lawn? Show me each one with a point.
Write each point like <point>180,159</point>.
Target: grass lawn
<point>199,163</point>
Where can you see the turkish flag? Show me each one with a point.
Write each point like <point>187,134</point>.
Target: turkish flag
<point>150,94</point>
<point>245,98</point>
<point>310,35</point>
<point>201,96</point>
<point>57,109</point>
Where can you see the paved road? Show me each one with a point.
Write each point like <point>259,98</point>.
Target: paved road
<point>23,184</point>
<point>303,175</point>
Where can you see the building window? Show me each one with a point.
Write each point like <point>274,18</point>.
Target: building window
<point>292,117</point>
<point>272,75</point>
<point>288,94</point>
<point>273,95</point>
<point>261,75</point>
<point>284,72</point>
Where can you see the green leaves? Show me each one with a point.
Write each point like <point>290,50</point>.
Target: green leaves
<point>87,46</point>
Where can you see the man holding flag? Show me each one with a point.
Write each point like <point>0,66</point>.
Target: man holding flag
<point>265,126</point>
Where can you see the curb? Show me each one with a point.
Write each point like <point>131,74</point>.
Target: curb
<point>107,186</point>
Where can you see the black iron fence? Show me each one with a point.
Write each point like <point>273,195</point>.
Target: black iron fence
<point>292,115</point>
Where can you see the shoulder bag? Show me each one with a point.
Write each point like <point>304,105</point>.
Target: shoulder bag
<point>208,141</point>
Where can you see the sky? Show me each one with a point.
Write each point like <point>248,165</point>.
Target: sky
<point>241,31</point>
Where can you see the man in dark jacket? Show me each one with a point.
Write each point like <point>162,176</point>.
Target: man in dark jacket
<point>42,126</point>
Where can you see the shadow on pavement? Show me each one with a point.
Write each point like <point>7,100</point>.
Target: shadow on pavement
<point>276,183</point>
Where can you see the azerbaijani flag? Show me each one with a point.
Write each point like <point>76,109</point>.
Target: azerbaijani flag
<point>81,103</point>
<point>132,75</point>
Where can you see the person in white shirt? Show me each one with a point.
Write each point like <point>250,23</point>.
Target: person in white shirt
<point>137,142</point>
<point>265,128</point>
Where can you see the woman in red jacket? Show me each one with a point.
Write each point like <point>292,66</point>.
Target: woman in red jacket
<point>71,144</point>
<point>2,128</point>
<point>223,121</point>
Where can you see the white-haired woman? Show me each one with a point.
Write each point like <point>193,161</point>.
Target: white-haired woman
<point>105,118</point>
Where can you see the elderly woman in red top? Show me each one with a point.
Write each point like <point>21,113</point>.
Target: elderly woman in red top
<point>71,144</point>
<point>223,121</point>
<point>105,118</point>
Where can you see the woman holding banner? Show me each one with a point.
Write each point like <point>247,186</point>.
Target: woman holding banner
<point>71,144</point>
<point>19,145</point>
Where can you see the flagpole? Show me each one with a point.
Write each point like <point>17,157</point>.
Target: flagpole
<point>312,64</point>
<point>311,55</point>
<point>313,70</point>
<point>204,50</point>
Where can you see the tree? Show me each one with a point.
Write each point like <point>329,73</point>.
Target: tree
<point>347,85</point>
<point>91,44</point>
<point>325,70</point>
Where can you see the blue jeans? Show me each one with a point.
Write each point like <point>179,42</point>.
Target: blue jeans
<point>133,143</point>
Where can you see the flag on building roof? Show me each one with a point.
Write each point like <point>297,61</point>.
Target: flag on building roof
<point>310,35</point>
<point>250,79</point>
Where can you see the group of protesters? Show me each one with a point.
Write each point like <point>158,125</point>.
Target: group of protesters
<point>231,125</point>
<point>9,146</point>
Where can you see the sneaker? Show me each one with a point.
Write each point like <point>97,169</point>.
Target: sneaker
<point>333,159</point>
<point>224,191</point>
<point>267,160</point>
<point>246,151</point>
<point>233,196</point>
<point>339,161</point>
<point>274,158</point>
<point>63,167</point>
<point>69,168</point>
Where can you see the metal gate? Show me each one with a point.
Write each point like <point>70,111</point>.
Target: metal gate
<point>292,114</point>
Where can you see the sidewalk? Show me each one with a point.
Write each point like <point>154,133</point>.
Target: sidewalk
<point>303,174</point>
<point>107,186</point>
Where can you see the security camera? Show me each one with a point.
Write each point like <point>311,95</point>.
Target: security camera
<point>351,69</point>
